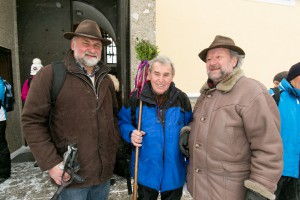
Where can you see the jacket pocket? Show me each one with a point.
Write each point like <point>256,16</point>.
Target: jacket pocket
<point>236,167</point>
<point>234,177</point>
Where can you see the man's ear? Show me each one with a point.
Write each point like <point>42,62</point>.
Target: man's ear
<point>72,45</point>
<point>235,61</point>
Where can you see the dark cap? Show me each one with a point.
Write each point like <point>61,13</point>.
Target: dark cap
<point>293,72</point>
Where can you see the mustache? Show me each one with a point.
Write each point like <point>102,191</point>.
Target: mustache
<point>214,67</point>
<point>90,54</point>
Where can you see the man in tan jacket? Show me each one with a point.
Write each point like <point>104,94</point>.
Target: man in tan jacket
<point>234,144</point>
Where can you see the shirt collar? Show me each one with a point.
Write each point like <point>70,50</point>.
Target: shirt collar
<point>95,69</point>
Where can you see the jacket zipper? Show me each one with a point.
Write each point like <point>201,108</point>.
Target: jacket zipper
<point>102,75</point>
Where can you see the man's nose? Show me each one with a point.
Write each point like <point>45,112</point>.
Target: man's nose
<point>213,61</point>
<point>161,78</point>
<point>92,49</point>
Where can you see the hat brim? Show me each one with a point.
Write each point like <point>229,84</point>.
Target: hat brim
<point>70,35</point>
<point>203,53</point>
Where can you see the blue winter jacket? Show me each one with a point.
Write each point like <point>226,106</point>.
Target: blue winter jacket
<point>289,108</point>
<point>161,164</point>
<point>2,91</point>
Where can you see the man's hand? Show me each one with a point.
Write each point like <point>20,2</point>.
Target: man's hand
<point>56,174</point>
<point>183,140</point>
<point>137,138</point>
<point>256,191</point>
<point>251,195</point>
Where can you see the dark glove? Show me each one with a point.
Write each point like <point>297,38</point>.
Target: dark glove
<point>183,140</point>
<point>251,195</point>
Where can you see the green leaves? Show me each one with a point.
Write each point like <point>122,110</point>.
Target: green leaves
<point>145,50</point>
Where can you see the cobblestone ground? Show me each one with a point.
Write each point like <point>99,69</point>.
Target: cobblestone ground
<point>29,183</point>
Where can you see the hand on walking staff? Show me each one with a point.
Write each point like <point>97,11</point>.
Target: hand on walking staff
<point>137,138</point>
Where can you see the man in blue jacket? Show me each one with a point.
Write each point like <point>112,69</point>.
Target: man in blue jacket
<point>5,163</point>
<point>166,110</point>
<point>289,109</point>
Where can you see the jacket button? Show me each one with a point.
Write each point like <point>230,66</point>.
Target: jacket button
<point>203,119</point>
<point>198,145</point>
<point>197,170</point>
<point>208,96</point>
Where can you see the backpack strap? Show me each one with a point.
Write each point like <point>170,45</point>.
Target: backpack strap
<point>59,76</point>
<point>276,95</point>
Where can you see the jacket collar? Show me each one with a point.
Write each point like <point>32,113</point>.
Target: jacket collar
<point>285,85</point>
<point>227,84</point>
<point>148,95</point>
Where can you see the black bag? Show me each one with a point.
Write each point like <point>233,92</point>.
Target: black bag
<point>122,166</point>
<point>9,99</point>
<point>276,95</point>
<point>288,188</point>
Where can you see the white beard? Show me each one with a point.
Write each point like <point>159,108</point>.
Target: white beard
<point>89,62</point>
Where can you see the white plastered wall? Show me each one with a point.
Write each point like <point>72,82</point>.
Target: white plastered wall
<point>268,33</point>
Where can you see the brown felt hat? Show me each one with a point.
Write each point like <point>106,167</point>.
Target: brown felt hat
<point>90,29</point>
<point>221,42</point>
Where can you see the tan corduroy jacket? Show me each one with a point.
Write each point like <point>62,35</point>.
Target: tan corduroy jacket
<point>234,137</point>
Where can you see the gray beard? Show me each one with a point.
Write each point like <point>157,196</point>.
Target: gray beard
<point>89,62</point>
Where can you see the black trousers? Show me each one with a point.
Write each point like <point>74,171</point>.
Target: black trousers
<point>146,193</point>
<point>288,188</point>
<point>5,162</point>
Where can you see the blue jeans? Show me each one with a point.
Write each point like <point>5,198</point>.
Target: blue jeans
<point>95,192</point>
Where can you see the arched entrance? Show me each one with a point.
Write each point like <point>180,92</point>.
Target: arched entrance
<point>41,24</point>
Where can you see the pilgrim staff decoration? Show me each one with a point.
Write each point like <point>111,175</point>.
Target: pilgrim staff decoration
<point>145,51</point>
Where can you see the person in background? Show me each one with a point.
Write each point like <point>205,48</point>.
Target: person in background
<point>235,149</point>
<point>275,91</point>
<point>289,108</point>
<point>166,109</point>
<point>5,162</point>
<point>35,67</point>
<point>278,78</point>
<point>85,114</point>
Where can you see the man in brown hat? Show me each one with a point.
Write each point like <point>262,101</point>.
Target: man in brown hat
<point>234,145</point>
<point>84,113</point>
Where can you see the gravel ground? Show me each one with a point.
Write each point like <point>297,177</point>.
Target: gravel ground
<point>30,183</point>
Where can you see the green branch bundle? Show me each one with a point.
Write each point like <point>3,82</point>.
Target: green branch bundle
<point>145,50</point>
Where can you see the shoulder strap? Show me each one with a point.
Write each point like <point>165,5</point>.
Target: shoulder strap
<point>276,95</point>
<point>59,76</point>
<point>8,88</point>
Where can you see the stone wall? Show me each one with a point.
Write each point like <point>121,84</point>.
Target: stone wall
<point>8,39</point>
<point>142,26</point>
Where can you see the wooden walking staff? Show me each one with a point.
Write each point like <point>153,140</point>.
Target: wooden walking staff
<point>145,51</point>
<point>144,65</point>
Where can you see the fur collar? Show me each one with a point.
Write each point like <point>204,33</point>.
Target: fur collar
<point>228,83</point>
